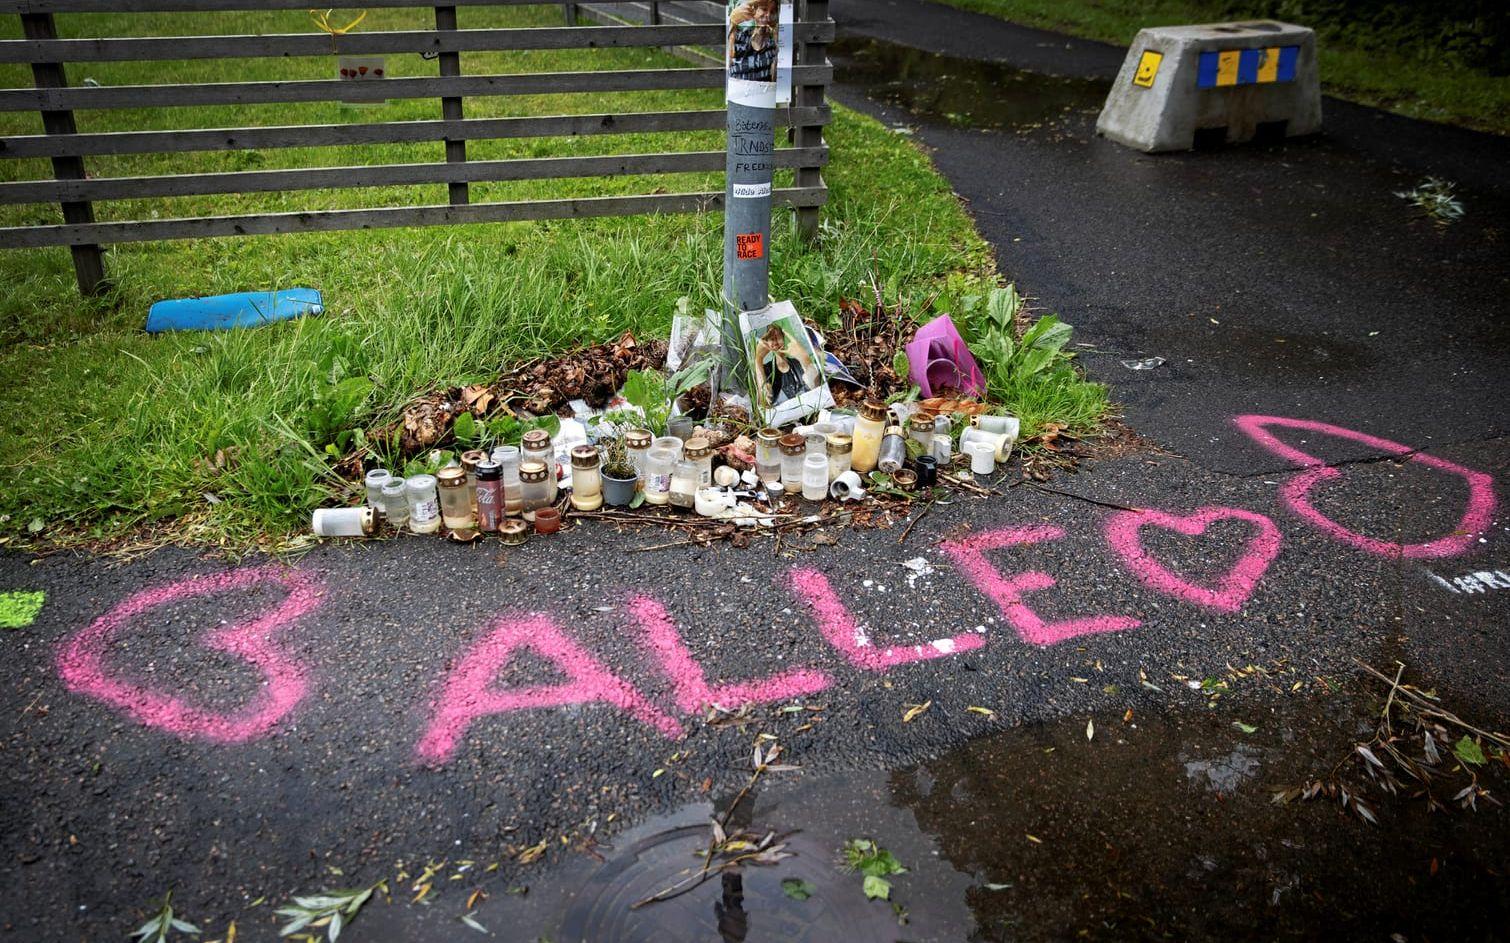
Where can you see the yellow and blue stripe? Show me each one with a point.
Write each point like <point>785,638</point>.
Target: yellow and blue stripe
<point>1227,67</point>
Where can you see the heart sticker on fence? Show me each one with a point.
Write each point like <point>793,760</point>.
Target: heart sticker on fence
<point>1229,592</point>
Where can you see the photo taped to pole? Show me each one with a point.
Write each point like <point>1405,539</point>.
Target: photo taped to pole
<point>752,31</point>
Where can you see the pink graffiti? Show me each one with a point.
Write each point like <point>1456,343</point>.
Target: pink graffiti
<point>853,641</point>
<point>1296,493</point>
<point>468,690</point>
<point>693,693</point>
<point>1232,589</point>
<point>81,659</point>
<point>969,554</point>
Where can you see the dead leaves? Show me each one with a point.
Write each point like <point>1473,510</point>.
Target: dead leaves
<point>914,711</point>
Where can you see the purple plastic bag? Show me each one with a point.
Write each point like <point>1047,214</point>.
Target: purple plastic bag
<point>938,359</point>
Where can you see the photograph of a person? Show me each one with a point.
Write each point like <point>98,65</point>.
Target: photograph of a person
<point>787,378</point>
<point>752,51</point>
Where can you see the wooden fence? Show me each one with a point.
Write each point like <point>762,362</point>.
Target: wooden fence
<point>77,192</point>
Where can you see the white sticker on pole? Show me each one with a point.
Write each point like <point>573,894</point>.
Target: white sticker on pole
<point>784,56</point>
<point>751,191</point>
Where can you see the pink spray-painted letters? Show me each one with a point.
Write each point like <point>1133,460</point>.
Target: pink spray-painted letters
<point>1229,592</point>
<point>693,693</point>
<point>82,658</point>
<point>1297,492</point>
<point>854,642</point>
<point>469,691</point>
<point>969,554</point>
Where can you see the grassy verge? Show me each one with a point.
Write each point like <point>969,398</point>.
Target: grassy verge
<point>220,438</point>
<point>1369,66</point>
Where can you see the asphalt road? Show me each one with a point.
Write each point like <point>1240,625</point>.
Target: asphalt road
<point>353,714</point>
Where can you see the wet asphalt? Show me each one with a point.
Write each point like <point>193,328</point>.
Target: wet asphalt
<point>1260,274</point>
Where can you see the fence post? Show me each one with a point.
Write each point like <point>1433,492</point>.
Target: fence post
<point>810,96</point>
<point>88,260</point>
<point>570,9</point>
<point>450,108</point>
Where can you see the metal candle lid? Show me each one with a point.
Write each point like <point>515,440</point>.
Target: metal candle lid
<point>452,476</point>
<point>873,410</point>
<point>536,439</point>
<point>840,444</point>
<point>471,458</point>
<point>697,447</point>
<point>637,438</point>
<point>584,456</point>
<point>793,444</point>
<point>533,471</point>
<point>513,531</point>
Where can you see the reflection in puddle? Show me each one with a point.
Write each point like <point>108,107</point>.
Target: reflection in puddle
<point>962,91</point>
<point>1160,827</point>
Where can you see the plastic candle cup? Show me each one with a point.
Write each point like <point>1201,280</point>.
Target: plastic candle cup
<point>869,428</point>
<point>793,452</point>
<point>395,503</point>
<point>424,506</point>
<point>455,501</point>
<point>658,466</point>
<point>768,456</point>
<point>375,480</point>
<point>586,479</point>
<point>815,477</point>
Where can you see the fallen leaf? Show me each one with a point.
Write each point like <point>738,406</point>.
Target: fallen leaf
<point>797,889</point>
<point>913,710</point>
<point>1090,729</point>
<point>1245,728</point>
<point>1034,839</point>
<point>985,712</point>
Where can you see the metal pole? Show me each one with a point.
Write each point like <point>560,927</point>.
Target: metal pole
<point>750,55</point>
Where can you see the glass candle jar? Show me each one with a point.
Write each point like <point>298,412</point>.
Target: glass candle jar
<point>680,426</point>
<point>637,450</point>
<point>768,456</point>
<point>815,477</point>
<point>537,447</point>
<point>700,453</point>
<point>684,484</point>
<point>586,479</point>
<point>658,465</point>
<point>869,427</point>
<point>893,454</point>
<point>375,480</point>
<point>793,450</point>
<point>470,459</point>
<point>921,430</point>
<point>395,503</point>
<point>424,506</point>
<point>534,488</point>
<point>839,449</point>
<point>507,457</point>
<point>489,496</point>
<point>455,502</point>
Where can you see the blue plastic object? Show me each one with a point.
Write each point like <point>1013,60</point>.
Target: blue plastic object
<point>223,312</point>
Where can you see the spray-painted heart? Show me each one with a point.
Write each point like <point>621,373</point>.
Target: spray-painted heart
<point>1228,593</point>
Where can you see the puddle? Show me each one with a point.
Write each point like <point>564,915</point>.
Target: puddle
<point>966,92</point>
<point>1161,827</point>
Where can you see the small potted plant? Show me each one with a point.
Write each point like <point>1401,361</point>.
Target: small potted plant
<point>620,479</point>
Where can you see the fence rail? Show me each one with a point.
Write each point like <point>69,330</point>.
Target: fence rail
<point>682,25</point>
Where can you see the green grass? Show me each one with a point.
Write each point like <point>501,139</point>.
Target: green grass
<point>1402,72</point>
<point>220,438</point>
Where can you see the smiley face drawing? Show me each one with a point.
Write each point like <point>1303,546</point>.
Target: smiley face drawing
<point>1148,68</point>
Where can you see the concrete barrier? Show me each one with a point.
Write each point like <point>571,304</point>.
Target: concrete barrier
<point>1229,82</point>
